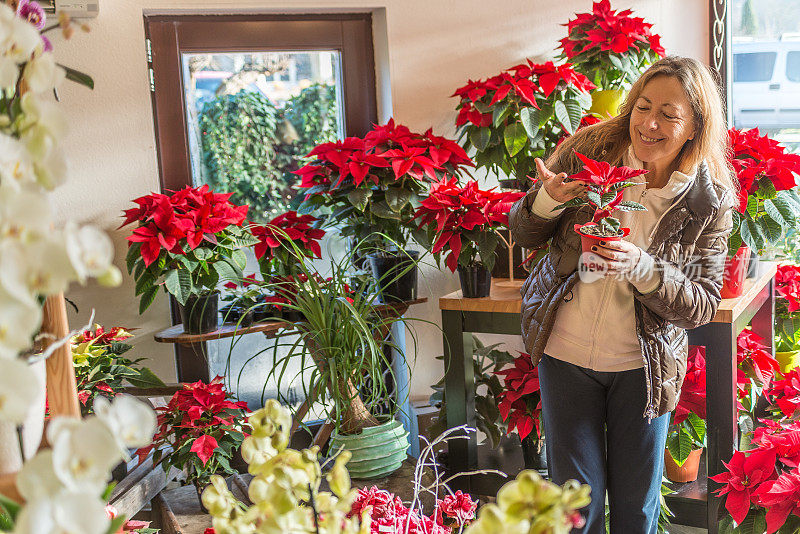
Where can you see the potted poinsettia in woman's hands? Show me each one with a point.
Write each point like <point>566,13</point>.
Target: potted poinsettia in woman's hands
<point>466,221</point>
<point>606,184</point>
<point>687,429</point>
<point>612,49</point>
<point>188,242</point>
<point>199,431</point>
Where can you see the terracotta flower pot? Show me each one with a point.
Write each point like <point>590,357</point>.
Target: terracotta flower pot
<point>686,472</point>
<point>589,259</point>
<point>735,273</point>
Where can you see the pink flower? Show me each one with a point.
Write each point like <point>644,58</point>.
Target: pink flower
<point>458,506</point>
<point>32,12</point>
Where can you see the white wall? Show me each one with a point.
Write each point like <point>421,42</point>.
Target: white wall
<point>431,47</point>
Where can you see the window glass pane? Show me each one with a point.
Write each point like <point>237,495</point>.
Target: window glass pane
<point>753,66</point>
<point>251,116</point>
<point>793,66</point>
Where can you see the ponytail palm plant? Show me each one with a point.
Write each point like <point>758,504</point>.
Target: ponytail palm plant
<point>341,341</point>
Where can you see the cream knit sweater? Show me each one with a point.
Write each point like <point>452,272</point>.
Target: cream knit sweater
<point>596,327</point>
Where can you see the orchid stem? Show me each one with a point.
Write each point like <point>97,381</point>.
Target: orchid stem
<point>21,443</point>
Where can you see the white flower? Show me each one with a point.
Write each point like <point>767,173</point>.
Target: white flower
<point>42,267</point>
<point>68,513</point>
<point>83,456</point>
<point>89,249</point>
<point>19,321</point>
<point>131,421</point>
<point>19,387</point>
<point>16,167</point>
<point>37,479</point>
<point>18,40</point>
<point>42,127</point>
<point>25,214</point>
<point>42,74</point>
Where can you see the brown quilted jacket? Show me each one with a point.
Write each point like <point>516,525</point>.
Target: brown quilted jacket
<point>689,248</point>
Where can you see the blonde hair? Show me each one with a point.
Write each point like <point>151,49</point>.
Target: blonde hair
<point>608,140</point>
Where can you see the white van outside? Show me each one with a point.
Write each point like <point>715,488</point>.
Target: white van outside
<point>766,83</point>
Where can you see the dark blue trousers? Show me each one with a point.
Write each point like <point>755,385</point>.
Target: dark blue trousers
<point>596,434</point>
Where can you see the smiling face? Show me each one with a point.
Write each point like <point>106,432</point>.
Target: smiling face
<point>661,122</point>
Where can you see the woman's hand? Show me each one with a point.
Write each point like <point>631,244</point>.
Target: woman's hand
<point>621,256</point>
<point>554,184</point>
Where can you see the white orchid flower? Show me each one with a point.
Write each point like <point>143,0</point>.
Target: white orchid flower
<point>83,456</point>
<point>90,250</point>
<point>16,166</point>
<point>42,74</point>
<point>69,513</point>
<point>19,387</point>
<point>37,479</point>
<point>18,40</point>
<point>131,421</point>
<point>42,267</point>
<point>18,323</point>
<point>25,214</point>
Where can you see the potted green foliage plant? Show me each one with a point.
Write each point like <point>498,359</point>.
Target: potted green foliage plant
<point>520,114</point>
<point>187,242</point>
<point>612,49</point>
<point>369,188</point>
<point>466,222</point>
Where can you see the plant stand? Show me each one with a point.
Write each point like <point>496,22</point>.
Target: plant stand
<point>499,313</point>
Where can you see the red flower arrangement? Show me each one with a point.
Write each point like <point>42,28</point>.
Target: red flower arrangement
<point>520,404</point>
<point>465,221</point>
<point>179,236</point>
<point>200,428</point>
<point>787,286</point>
<point>606,183</point>
<point>745,473</point>
<point>610,47</point>
<point>286,240</point>
<point>755,359</point>
<point>388,513</point>
<point>371,185</point>
<point>687,430</point>
<point>521,113</point>
<point>768,201</point>
<point>785,393</point>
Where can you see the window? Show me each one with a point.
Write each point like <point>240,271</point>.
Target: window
<point>753,66</point>
<point>793,66</point>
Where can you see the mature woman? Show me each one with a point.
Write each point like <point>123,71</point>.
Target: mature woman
<point>612,353</point>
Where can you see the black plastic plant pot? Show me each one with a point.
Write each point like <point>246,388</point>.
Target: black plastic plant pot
<point>199,314</point>
<point>236,314</point>
<point>292,316</point>
<point>533,457</point>
<point>396,275</point>
<point>476,281</point>
<point>264,312</point>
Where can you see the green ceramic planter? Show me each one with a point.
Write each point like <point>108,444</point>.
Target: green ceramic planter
<point>377,451</point>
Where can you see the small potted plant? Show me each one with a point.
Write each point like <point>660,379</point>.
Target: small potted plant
<point>686,438</point>
<point>520,405</point>
<point>188,242</point>
<point>100,368</point>
<point>768,201</point>
<point>243,301</point>
<point>612,49</point>
<point>787,318</point>
<point>274,255</point>
<point>519,115</point>
<point>199,431</point>
<point>466,222</point>
<point>604,193</point>
<point>369,189</point>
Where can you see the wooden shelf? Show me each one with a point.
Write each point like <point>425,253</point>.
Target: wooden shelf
<point>270,329</point>
<point>505,298</point>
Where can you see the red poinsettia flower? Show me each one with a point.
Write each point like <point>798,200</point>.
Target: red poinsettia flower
<point>755,357</point>
<point>455,209</point>
<point>603,174</point>
<point>550,75</point>
<point>781,497</point>
<point>606,30</point>
<point>247,281</point>
<point>101,336</point>
<point>787,285</point>
<point>786,392</point>
<point>297,228</point>
<point>693,392</point>
<point>520,404</point>
<point>746,471</point>
<point>204,447</point>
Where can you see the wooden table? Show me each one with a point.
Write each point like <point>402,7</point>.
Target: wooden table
<point>499,313</point>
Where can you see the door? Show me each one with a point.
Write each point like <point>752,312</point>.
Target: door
<point>237,101</point>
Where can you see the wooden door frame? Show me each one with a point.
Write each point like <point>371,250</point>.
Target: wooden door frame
<point>168,36</point>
